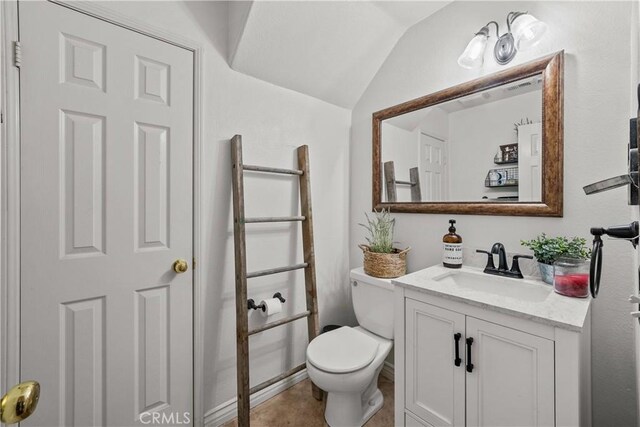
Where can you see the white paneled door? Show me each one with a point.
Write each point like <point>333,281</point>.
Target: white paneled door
<point>433,162</point>
<point>530,162</point>
<point>106,210</point>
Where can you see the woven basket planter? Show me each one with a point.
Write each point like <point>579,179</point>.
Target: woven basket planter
<point>385,266</point>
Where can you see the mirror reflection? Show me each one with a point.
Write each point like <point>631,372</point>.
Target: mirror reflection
<point>482,147</point>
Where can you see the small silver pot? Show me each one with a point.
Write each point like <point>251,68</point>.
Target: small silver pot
<point>546,272</point>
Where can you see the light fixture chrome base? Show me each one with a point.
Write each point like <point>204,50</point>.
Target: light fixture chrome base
<point>505,49</point>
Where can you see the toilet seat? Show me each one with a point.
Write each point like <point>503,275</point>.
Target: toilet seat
<point>342,351</point>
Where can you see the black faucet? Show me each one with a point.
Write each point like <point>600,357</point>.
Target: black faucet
<point>503,267</point>
<point>498,249</point>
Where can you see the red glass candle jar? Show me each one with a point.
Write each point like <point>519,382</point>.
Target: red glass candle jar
<point>571,277</point>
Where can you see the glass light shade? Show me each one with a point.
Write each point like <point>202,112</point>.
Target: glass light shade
<point>473,55</point>
<point>527,31</point>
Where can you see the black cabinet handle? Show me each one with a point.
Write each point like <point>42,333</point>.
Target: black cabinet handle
<point>469,364</point>
<point>457,361</point>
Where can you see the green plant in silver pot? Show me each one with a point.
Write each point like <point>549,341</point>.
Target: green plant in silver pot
<point>548,249</point>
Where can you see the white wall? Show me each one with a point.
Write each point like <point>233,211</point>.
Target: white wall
<point>273,121</point>
<point>436,123</point>
<point>475,134</point>
<point>597,105</point>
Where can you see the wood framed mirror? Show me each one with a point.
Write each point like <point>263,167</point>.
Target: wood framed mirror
<point>490,146</point>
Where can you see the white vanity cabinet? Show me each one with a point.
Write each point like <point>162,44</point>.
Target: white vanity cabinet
<point>507,369</point>
<point>510,369</point>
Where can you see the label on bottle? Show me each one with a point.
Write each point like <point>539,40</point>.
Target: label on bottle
<point>452,253</point>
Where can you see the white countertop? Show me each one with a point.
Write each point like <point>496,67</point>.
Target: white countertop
<point>545,306</point>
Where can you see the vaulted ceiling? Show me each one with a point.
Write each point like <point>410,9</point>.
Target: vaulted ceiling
<point>330,50</point>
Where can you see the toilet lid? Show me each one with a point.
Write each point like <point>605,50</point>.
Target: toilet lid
<point>342,350</point>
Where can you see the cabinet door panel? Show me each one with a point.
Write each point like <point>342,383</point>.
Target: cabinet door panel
<point>512,383</point>
<point>411,420</point>
<point>435,387</point>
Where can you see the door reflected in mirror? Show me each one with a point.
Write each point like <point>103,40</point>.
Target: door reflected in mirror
<point>483,147</point>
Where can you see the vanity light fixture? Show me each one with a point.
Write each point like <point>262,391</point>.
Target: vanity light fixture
<point>523,32</point>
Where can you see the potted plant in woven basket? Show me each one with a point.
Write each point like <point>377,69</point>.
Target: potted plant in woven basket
<point>548,249</point>
<point>381,259</point>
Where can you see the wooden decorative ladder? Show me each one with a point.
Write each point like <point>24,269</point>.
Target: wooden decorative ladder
<point>242,319</point>
<point>392,182</point>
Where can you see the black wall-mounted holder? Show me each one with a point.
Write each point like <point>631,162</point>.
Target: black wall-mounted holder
<point>628,232</point>
<point>251,304</point>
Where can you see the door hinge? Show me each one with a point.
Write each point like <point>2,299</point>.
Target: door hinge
<point>17,54</point>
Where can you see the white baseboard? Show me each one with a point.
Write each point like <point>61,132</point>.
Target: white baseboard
<point>229,410</point>
<point>388,371</point>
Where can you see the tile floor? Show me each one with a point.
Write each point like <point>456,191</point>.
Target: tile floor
<point>296,407</point>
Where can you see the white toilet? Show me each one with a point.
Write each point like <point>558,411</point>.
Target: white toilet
<point>346,362</point>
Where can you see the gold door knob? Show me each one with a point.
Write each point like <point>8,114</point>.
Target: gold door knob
<point>19,402</point>
<point>180,266</point>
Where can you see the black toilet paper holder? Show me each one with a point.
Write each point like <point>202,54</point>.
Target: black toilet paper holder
<point>251,304</point>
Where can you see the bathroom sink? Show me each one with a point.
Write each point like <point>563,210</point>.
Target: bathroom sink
<point>485,283</point>
<point>527,298</point>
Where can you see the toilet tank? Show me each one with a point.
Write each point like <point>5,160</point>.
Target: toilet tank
<point>372,302</point>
